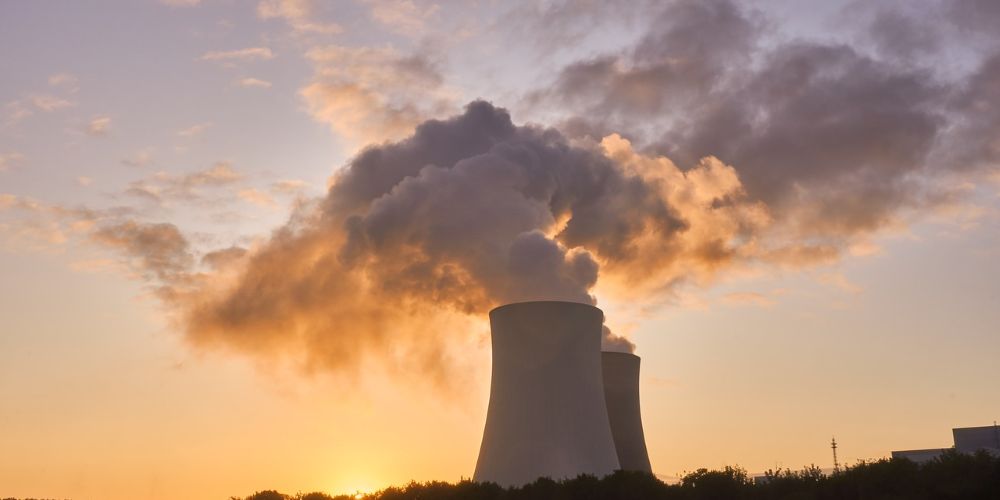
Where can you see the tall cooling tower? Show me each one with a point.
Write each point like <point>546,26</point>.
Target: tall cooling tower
<point>621,392</point>
<point>547,415</point>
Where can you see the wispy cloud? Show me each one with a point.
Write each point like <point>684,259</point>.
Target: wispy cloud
<point>14,111</point>
<point>258,198</point>
<point>164,187</point>
<point>288,187</point>
<point>9,160</point>
<point>84,181</point>
<point>157,251</point>
<point>838,280</point>
<point>403,16</point>
<point>373,94</point>
<point>253,82</point>
<point>29,224</point>
<point>747,299</point>
<point>299,14</point>
<point>248,54</point>
<point>194,129</point>
<point>95,266</point>
<point>100,127</point>
<point>61,79</point>
<point>51,103</point>
<point>143,158</point>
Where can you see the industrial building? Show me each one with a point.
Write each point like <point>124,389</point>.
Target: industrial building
<point>551,396</point>
<point>967,440</point>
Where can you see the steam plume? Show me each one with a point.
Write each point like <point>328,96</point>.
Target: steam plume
<point>787,153</point>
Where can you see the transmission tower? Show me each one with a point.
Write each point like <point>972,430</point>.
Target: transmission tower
<point>836,465</point>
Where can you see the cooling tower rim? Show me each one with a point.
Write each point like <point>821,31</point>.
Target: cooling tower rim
<point>616,353</point>
<point>515,304</point>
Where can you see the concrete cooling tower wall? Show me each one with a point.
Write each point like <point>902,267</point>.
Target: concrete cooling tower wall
<point>621,393</point>
<point>547,415</point>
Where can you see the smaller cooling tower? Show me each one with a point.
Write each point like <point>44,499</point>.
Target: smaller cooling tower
<point>621,393</point>
<point>547,415</point>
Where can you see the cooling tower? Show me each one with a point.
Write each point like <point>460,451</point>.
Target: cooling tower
<point>547,415</point>
<point>621,393</point>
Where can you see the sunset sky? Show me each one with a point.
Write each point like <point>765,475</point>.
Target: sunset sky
<point>252,245</point>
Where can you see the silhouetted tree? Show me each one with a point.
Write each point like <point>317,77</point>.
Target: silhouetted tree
<point>952,476</point>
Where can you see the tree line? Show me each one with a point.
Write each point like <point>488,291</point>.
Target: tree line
<point>952,476</point>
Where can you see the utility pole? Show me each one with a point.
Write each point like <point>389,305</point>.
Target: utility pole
<point>836,465</point>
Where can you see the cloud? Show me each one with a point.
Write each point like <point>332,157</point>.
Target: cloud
<point>253,82</point>
<point>27,224</point>
<point>467,213</point>
<point>220,173</point>
<point>14,111</point>
<point>51,103</point>
<point>288,187</point>
<point>299,14</point>
<point>201,187</point>
<point>747,298</point>
<point>84,181</point>
<point>371,94</point>
<point>403,16</point>
<point>10,160</point>
<point>248,54</point>
<point>157,251</point>
<point>99,127</point>
<point>416,239</point>
<point>556,25</point>
<point>615,343</point>
<point>143,158</point>
<point>258,198</point>
<point>96,266</point>
<point>194,129</point>
<point>180,3</point>
<point>837,141</point>
<point>838,280</point>
<point>706,150</point>
<point>61,79</point>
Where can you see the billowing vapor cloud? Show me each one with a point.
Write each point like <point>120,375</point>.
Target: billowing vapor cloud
<point>426,234</point>
<point>837,141</point>
<point>466,214</point>
<point>703,150</point>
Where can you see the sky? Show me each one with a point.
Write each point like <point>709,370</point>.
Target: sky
<point>252,245</point>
